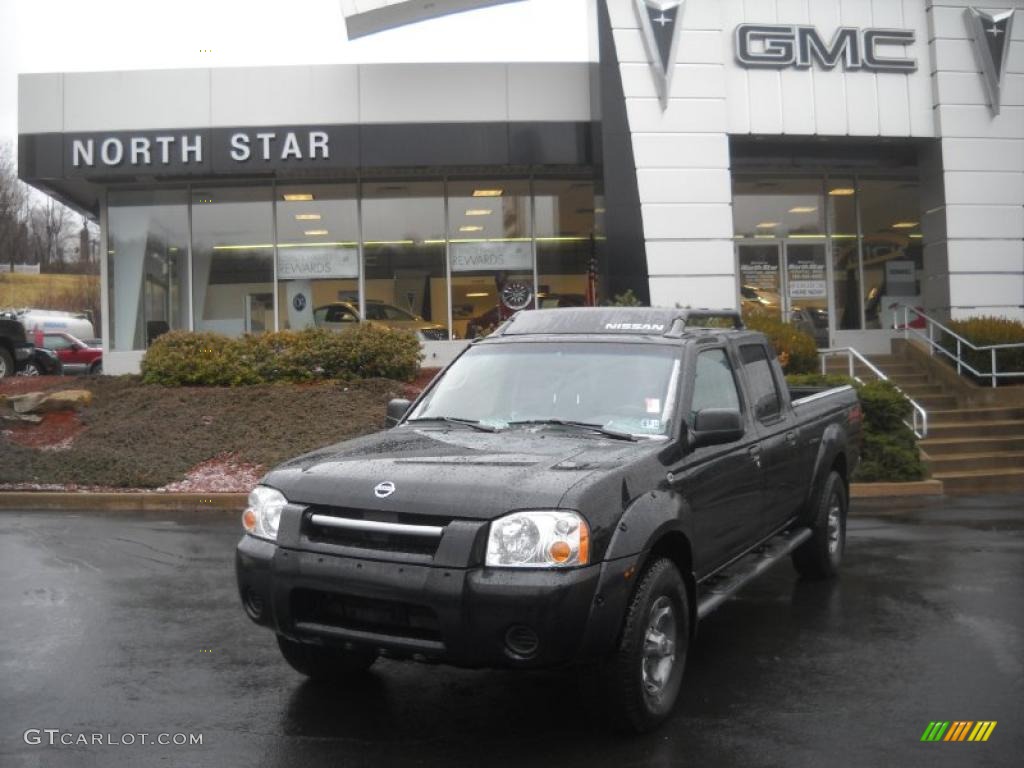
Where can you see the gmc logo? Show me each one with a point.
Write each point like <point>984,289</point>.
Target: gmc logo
<point>780,46</point>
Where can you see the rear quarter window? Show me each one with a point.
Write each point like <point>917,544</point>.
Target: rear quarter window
<point>764,391</point>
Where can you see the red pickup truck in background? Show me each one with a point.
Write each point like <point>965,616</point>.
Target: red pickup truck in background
<point>75,354</point>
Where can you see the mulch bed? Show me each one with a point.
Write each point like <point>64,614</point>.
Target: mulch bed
<point>189,438</point>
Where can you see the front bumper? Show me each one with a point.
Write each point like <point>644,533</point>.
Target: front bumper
<point>473,616</point>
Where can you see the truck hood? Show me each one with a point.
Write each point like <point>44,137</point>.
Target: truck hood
<point>456,472</point>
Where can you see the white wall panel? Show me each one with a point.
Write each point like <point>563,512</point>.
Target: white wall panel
<point>284,95</point>
<point>682,115</point>
<point>684,220</point>
<point>966,120</point>
<point>959,154</point>
<point>424,93</point>
<point>985,221</point>
<point>691,257</point>
<point>715,292</point>
<point>663,185</point>
<point>669,150</point>
<point>985,256</point>
<point>549,92</point>
<point>992,187</point>
<point>986,290</point>
<point>40,103</point>
<point>110,101</point>
<point>688,81</point>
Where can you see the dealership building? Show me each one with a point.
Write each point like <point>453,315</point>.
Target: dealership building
<point>825,161</point>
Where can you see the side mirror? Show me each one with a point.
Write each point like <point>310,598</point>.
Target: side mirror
<point>397,408</point>
<point>714,426</point>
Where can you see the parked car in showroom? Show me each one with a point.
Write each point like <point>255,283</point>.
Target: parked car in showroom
<point>340,315</point>
<point>75,355</point>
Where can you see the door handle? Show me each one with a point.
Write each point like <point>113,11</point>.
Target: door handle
<point>755,454</point>
<point>791,437</point>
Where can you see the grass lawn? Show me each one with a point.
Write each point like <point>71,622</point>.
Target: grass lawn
<point>19,290</point>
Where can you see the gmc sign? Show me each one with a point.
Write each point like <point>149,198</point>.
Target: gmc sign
<point>778,46</point>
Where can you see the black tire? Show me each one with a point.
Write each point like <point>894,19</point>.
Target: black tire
<point>323,663</point>
<point>821,555</point>
<point>641,681</point>
<point>30,369</point>
<point>6,363</point>
<point>96,369</point>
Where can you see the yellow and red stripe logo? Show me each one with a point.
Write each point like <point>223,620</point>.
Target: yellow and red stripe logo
<point>958,730</point>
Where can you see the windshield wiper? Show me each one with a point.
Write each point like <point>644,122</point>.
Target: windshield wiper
<point>579,425</point>
<point>456,420</point>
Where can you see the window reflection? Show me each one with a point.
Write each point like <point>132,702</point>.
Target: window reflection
<point>147,269</point>
<point>404,249</point>
<point>317,252</point>
<point>842,211</point>
<point>233,260</point>
<point>566,252</point>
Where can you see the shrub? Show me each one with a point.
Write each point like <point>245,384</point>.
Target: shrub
<point>889,448</point>
<point>795,349</point>
<point>986,331</point>
<point>183,358</point>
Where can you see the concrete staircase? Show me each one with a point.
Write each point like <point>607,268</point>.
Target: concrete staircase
<point>971,448</point>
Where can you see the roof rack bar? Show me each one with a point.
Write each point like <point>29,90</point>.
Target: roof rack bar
<point>683,322</point>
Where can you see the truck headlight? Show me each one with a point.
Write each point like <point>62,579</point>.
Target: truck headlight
<point>263,514</point>
<point>543,539</point>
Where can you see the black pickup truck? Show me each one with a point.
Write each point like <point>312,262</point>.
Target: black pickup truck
<point>15,349</point>
<point>579,488</point>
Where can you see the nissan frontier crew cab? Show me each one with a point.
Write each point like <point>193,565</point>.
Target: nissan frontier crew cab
<point>579,488</point>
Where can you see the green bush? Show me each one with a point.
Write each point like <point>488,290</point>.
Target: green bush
<point>889,448</point>
<point>985,331</point>
<point>182,358</point>
<point>795,349</point>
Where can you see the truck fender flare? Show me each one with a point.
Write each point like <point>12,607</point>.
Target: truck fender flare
<point>830,447</point>
<point>646,520</point>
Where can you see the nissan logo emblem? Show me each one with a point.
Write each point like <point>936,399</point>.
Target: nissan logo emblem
<point>383,490</point>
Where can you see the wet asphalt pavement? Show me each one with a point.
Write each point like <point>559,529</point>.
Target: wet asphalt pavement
<point>127,624</point>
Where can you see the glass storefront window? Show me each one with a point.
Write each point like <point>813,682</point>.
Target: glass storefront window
<point>404,253</point>
<point>317,253</point>
<point>490,252</point>
<point>842,212</point>
<point>891,247</point>
<point>566,250</point>
<point>765,208</point>
<point>233,260</point>
<point>147,265</point>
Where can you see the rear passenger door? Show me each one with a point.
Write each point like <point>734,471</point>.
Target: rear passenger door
<point>721,483</point>
<point>780,454</point>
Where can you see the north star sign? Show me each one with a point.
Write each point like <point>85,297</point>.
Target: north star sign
<point>172,149</point>
<point>780,46</point>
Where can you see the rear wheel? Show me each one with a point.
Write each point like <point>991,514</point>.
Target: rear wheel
<point>96,368</point>
<point>30,369</point>
<point>642,679</point>
<point>6,363</point>
<point>821,555</point>
<point>324,663</point>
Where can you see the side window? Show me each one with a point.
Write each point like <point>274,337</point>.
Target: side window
<point>714,385</point>
<point>53,341</point>
<point>764,391</point>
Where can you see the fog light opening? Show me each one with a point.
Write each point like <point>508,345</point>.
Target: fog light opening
<point>253,604</point>
<point>521,642</point>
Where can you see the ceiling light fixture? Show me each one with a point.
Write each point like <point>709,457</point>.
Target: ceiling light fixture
<point>479,212</point>
<point>803,209</point>
<point>487,193</point>
<point>315,232</point>
<point>298,197</point>
<point>841,191</point>
<point>904,225</point>
<point>307,217</point>
<point>768,225</point>
<point>477,295</point>
<point>470,228</point>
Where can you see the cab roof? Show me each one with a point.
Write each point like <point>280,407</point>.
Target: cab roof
<point>618,321</point>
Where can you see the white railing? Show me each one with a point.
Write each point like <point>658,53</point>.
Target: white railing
<point>918,416</point>
<point>928,336</point>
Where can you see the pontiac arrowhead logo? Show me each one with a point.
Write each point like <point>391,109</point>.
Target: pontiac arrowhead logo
<point>659,22</point>
<point>991,33</point>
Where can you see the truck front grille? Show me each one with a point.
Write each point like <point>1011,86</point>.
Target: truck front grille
<point>417,535</point>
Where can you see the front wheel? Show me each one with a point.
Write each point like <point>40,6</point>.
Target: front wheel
<point>642,679</point>
<point>324,663</point>
<point>820,556</point>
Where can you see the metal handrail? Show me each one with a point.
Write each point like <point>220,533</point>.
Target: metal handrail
<point>918,423</point>
<point>931,324</point>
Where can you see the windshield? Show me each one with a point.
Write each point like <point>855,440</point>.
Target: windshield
<point>623,387</point>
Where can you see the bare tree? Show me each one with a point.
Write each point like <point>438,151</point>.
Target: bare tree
<point>13,208</point>
<point>52,227</point>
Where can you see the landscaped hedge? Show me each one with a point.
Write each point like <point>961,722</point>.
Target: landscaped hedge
<point>795,349</point>
<point>985,331</point>
<point>184,358</point>
<point>889,449</point>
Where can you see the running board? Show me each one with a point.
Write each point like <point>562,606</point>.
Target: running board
<point>734,578</point>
